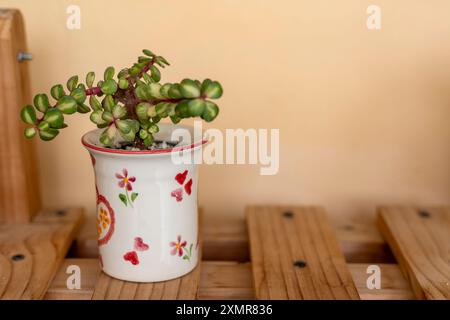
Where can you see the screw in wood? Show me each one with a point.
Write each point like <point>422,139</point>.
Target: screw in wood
<point>288,214</point>
<point>300,264</point>
<point>60,213</point>
<point>424,214</point>
<point>17,257</point>
<point>24,56</point>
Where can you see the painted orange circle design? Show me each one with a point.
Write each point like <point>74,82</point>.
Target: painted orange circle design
<point>105,220</point>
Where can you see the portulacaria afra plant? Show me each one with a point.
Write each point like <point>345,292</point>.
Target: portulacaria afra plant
<point>131,104</point>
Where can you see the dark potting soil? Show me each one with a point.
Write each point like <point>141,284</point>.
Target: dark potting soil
<point>157,145</point>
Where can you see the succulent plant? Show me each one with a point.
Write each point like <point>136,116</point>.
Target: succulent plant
<point>132,104</point>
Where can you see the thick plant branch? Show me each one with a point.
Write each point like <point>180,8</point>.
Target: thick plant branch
<point>131,106</point>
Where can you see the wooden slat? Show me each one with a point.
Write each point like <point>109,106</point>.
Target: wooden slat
<point>304,235</point>
<point>230,280</point>
<point>226,239</point>
<point>19,185</point>
<point>30,254</point>
<point>184,288</point>
<point>393,285</point>
<point>227,280</point>
<point>90,273</point>
<point>420,240</point>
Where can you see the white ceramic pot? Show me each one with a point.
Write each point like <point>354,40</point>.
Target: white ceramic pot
<point>147,219</point>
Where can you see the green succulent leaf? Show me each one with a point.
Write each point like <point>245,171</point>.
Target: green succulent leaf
<point>57,91</point>
<point>90,78</point>
<point>96,117</point>
<point>211,111</point>
<point>28,114</point>
<point>175,119</point>
<point>182,109</point>
<point>109,73</point>
<point>122,73</point>
<point>155,90</point>
<point>82,108</point>
<point>160,62</point>
<point>135,125</point>
<point>43,125</point>
<point>153,128</point>
<point>109,86</point>
<point>161,109</point>
<point>94,103</point>
<point>123,83</point>
<point>108,103</point>
<point>151,112</point>
<point>55,118</point>
<point>211,89</point>
<point>72,83</point>
<point>29,132</point>
<point>41,102</point>
<point>148,53</point>
<point>171,109</point>
<point>143,92</point>
<point>143,134</point>
<point>79,95</point>
<point>134,70</point>
<point>129,136</point>
<point>123,126</point>
<point>119,111</point>
<point>196,107</point>
<point>49,134</point>
<point>156,75</point>
<point>164,91</point>
<point>108,135</point>
<point>174,91</point>
<point>141,110</point>
<point>147,78</point>
<point>144,59</point>
<point>134,196</point>
<point>67,104</point>
<point>149,140</point>
<point>107,116</point>
<point>189,89</point>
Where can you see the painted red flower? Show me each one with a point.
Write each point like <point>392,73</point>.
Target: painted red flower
<point>177,247</point>
<point>125,181</point>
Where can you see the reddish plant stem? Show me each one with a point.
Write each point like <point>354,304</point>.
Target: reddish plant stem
<point>92,91</point>
<point>97,90</point>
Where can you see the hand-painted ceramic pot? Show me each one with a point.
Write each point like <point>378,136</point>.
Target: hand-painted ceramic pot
<point>147,219</point>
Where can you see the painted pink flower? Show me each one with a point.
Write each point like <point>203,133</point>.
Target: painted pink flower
<point>177,247</point>
<point>125,181</point>
<point>177,194</point>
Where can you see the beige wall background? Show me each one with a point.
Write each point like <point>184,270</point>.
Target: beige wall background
<point>364,116</point>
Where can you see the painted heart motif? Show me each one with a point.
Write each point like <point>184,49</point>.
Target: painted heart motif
<point>177,194</point>
<point>132,257</point>
<point>188,187</point>
<point>139,244</point>
<point>181,177</point>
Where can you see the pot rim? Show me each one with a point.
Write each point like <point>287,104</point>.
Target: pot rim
<point>91,146</point>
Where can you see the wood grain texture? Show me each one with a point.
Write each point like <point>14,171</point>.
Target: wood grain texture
<point>230,280</point>
<point>184,288</point>
<point>19,185</point>
<point>394,286</point>
<point>226,239</point>
<point>279,240</point>
<point>30,254</point>
<point>90,273</point>
<point>420,240</point>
